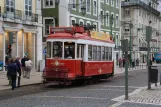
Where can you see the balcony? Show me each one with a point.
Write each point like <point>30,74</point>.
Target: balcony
<point>141,4</point>
<point>143,49</point>
<point>17,15</point>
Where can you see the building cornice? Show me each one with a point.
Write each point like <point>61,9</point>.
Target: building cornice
<point>140,4</point>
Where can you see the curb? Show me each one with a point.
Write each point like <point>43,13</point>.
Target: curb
<point>25,85</point>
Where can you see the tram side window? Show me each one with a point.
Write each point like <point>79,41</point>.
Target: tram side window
<point>57,49</point>
<point>94,53</point>
<point>90,52</point>
<point>80,51</point>
<point>103,54</point>
<point>48,55</point>
<point>98,53</point>
<point>110,53</point>
<point>107,51</point>
<point>69,50</point>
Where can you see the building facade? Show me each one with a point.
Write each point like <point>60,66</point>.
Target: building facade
<point>21,30</point>
<point>136,15</point>
<point>99,13</point>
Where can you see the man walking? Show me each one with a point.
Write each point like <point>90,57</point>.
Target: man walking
<point>23,65</point>
<point>17,61</point>
<point>12,72</point>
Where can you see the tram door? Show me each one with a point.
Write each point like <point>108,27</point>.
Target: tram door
<point>80,55</point>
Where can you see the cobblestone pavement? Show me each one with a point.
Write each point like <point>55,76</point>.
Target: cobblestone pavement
<point>95,95</point>
<point>143,96</point>
<point>127,104</point>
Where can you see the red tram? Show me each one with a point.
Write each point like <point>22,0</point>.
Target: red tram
<point>75,53</point>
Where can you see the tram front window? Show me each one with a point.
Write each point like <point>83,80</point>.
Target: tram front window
<point>69,50</point>
<point>57,49</point>
<point>48,55</point>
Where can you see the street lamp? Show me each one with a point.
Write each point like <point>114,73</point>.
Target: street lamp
<point>57,2</point>
<point>83,8</point>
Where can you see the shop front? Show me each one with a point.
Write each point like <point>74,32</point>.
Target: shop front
<point>17,40</point>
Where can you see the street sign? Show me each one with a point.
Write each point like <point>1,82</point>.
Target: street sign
<point>148,33</point>
<point>125,45</point>
<point>44,51</point>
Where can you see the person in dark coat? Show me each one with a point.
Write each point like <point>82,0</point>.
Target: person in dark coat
<point>12,72</point>
<point>18,69</point>
<point>23,65</point>
<point>123,62</point>
<point>151,62</point>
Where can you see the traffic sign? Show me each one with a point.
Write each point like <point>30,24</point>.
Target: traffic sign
<point>44,51</point>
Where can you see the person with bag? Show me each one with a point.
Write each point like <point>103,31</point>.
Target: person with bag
<point>12,72</point>
<point>28,66</point>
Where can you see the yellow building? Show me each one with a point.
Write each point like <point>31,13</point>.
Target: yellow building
<point>21,29</point>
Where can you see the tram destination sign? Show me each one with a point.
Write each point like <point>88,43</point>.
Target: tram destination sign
<point>62,29</point>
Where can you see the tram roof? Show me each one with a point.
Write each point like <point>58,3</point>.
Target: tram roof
<point>76,36</point>
<point>79,38</point>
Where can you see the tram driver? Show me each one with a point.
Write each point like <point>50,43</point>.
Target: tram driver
<point>68,52</point>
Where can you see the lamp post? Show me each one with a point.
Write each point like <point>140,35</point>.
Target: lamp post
<point>130,45</point>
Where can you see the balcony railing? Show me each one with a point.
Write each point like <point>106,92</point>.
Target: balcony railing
<point>143,49</point>
<point>153,49</point>
<point>142,4</point>
<point>19,15</point>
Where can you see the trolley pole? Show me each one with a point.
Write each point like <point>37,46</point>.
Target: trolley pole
<point>148,39</point>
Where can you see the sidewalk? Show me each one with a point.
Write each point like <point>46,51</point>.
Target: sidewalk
<point>34,79</point>
<point>118,70</point>
<point>143,96</point>
<point>122,70</point>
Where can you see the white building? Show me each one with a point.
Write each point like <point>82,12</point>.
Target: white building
<point>21,29</point>
<point>141,13</point>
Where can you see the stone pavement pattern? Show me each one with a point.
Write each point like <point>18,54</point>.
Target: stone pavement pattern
<point>143,96</point>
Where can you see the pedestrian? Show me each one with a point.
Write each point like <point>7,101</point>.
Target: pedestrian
<point>120,62</point>
<point>137,62</point>
<point>12,72</point>
<point>28,66</point>
<point>151,62</point>
<point>23,65</point>
<point>8,77</point>
<point>17,61</point>
<point>123,62</point>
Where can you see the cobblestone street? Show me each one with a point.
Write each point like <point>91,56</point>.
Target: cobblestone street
<point>94,95</point>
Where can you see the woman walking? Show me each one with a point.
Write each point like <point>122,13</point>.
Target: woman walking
<point>28,66</point>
